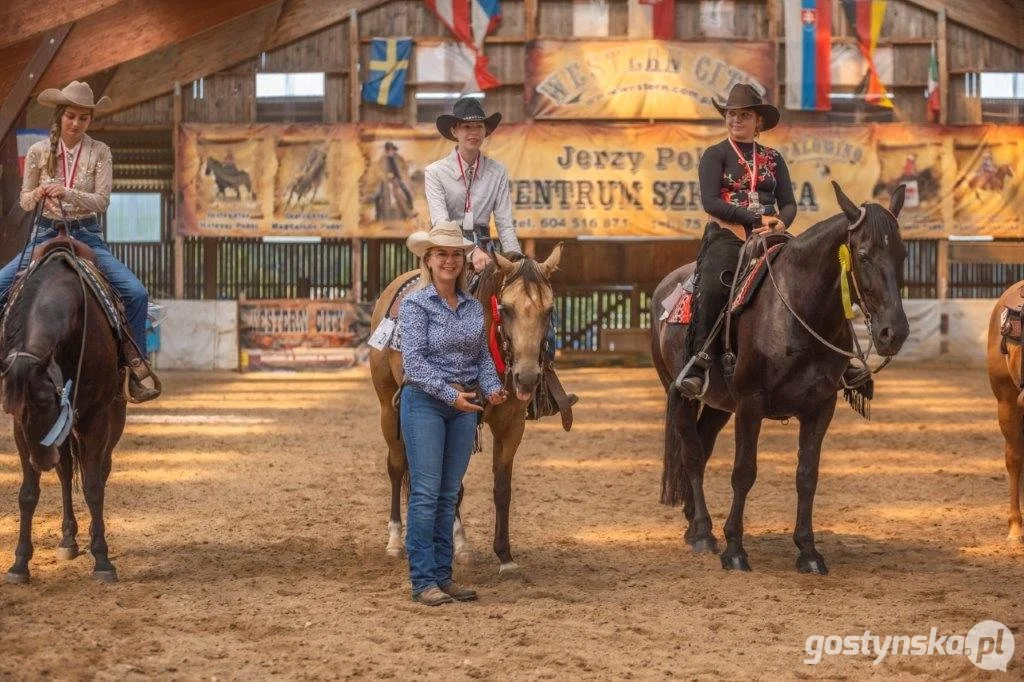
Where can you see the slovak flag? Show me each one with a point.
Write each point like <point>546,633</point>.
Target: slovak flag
<point>471,21</point>
<point>26,137</point>
<point>808,54</point>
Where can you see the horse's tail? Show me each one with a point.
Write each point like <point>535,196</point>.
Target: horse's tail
<point>673,471</point>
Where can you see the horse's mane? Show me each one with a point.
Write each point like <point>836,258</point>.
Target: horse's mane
<point>17,314</point>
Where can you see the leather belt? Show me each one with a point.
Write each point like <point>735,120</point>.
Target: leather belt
<point>87,223</point>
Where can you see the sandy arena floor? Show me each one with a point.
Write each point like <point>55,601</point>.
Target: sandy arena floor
<point>247,516</point>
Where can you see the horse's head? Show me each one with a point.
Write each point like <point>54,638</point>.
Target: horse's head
<point>527,303</point>
<point>878,254</point>
<point>31,393</point>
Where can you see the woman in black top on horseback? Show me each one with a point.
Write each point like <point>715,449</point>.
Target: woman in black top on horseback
<point>745,189</point>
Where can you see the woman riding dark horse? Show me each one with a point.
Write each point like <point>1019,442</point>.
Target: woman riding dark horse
<point>68,180</point>
<point>792,346</point>
<point>60,364</point>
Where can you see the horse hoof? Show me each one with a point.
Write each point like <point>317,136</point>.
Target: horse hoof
<point>67,553</point>
<point>395,552</point>
<point>16,578</point>
<point>704,546</point>
<point>105,576</point>
<point>508,569</point>
<point>465,558</point>
<point>736,562</point>
<point>812,565</point>
<point>1015,540</point>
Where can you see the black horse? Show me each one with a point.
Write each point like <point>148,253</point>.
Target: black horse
<point>781,370</point>
<point>55,330</point>
<point>226,175</point>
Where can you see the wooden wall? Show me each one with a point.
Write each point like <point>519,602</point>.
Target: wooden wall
<point>910,30</point>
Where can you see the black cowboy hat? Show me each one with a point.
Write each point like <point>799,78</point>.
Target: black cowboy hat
<point>467,109</point>
<point>743,96</point>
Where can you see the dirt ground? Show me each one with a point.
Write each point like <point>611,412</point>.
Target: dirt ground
<point>247,519</point>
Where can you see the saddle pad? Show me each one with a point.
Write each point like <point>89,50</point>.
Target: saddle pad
<point>93,278</point>
<point>752,281</point>
<point>682,311</point>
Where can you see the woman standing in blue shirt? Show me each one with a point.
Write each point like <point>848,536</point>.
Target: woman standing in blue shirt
<point>445,356</point>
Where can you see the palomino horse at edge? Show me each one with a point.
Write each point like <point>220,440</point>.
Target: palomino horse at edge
<point>783,369</point>
<point>526,300</point>
<point>1006,376</point>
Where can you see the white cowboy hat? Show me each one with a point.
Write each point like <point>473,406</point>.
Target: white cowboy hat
<point>446,234</point>
<point>75,94</point>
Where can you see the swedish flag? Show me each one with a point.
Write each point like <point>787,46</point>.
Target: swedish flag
<point>389,66</point>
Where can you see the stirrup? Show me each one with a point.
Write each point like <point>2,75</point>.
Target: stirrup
<point>705,365</point>
<point>133,389</point>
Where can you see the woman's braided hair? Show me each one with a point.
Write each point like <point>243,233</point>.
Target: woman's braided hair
<point>51,161</point>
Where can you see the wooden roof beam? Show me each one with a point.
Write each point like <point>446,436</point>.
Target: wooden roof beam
<point>134,28</point>
<point>19,95</point>
<point>215,50</point>
<point>23,19</point>
<point>999,19</point>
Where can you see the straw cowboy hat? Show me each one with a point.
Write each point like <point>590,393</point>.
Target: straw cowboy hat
<point>445,234</point>
<point>467,109</point>
<point>75,94</point>
<point>743,96</point>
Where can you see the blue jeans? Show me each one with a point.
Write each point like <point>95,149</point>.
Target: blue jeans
<point>132,292</point>
<point>438,444</point>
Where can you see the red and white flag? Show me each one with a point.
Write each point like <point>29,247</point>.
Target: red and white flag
<point>471,21</point>
<point>652,19</point>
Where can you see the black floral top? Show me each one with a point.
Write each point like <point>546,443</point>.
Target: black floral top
<point>725,184</point>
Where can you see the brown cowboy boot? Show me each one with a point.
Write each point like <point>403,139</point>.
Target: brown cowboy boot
<point>433,596</point>
<point>138,371</point>
<point>458,592</point>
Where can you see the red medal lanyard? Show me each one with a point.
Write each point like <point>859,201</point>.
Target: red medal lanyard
<point>468,184</point>
<point>69,176</point>
<point>753,171</point>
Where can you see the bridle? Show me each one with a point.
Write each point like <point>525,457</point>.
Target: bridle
<point>498,341</point>
<point>858,353</point>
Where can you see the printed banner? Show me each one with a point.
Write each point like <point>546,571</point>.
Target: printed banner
<point>640,79</point>
<point>259,180</point>
<point>588,179</point>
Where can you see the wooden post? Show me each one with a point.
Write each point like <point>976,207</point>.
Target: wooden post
<point>356,290</point>
<point>373,287</point>
<point>943,58</point>
<point>354,94</point>
<point>942,269</point>
<point>531,9</point>
<point>210,247</point>
<point>774,33</point>
<point>178,240</point>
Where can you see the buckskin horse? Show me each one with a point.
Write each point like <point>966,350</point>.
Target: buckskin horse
<point>228,176</point>
<point>1006,375</point>
<point>783,367</point>
<point>60,366</point>
<point>526,300</point>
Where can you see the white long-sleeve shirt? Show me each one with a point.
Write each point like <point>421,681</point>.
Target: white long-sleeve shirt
<point>446,196</point>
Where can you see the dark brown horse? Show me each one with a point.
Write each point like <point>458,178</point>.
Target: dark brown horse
<point>782,370</point>
<point>527,300</point>
<point>1004,374</point>
<point>56,331</point>
<point>227,175</point>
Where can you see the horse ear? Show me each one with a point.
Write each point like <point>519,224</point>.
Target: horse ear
<point>550,264</point>
<point>850,209</point>
<point>504,264</point>
<point>896,201</point>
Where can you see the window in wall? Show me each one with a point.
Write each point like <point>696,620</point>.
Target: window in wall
<point>290,97</point>
<point>1001,95</point>
<point>135,217</point>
